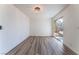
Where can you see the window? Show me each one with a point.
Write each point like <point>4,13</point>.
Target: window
<point>60,24</point>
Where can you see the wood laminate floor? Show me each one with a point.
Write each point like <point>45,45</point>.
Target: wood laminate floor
<point>37,45</point>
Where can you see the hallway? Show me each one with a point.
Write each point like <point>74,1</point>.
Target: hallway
<point>41,45</point>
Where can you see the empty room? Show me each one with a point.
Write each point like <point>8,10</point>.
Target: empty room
<point>39,29</point>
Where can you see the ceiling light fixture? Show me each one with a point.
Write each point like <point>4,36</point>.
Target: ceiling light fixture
<point>37,8</point>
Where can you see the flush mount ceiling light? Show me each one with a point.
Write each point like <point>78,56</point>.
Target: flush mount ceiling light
<point>37,8</point>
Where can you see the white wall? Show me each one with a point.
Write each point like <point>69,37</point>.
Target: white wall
<point>40,26</point>
<point>71,27</point>
<point>15,27</point>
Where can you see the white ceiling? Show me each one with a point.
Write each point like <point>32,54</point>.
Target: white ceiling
<point>49,10</point>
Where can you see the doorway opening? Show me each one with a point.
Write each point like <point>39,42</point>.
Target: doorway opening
<point>59,27</point>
